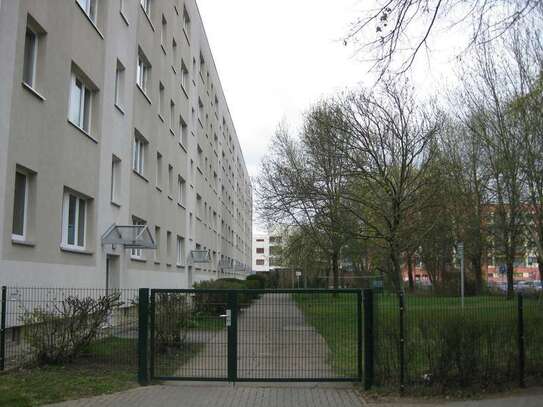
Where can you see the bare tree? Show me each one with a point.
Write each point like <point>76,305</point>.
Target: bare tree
<point>487,95</point>
<point>388,149</point>
<point>397,30</point>
<point>527,109</point>
<point>468,195</point>
<point>301,183</point>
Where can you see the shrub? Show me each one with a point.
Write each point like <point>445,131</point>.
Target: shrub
<point>62,333</point>
<point>173,317</point>
<point>257,281</point>
<point>215,303</point>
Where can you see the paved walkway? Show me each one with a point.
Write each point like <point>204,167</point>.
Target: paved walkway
<point>225,395</point>
<point>525,398</point>
<point>274,341</point>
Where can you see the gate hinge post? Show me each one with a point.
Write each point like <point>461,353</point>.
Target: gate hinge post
<point>143,337</point>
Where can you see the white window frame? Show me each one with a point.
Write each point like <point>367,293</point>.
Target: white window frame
<point>181,191</point>
<point>146,6</point>
<point>90,7</point>
<point>142,72</point>
<point>65,220</point>
<point>180,261</point>
<point>80,104</point>
<point>158,234</point>
<point>159,174</point>
<point>163,32</point>
<point>183,132</point>
<point>33,56</point>
<point>136,253</point>
<point>184,77</point>
<point>115,179</point>
<point>138,155</point>
<point>172,115</point>
<point>186,22</point>
<point>119,84</point>
<point>15,236</point>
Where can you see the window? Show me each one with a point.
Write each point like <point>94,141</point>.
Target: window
<point>200,111</point>
<point>119,84</point>
<point>74,220</point>
<point>184,77</point>
<point>89,7</point>
<point>142,71</point>
<point>180,251</point>
<point>259,262</point>
<point>202,66</point>
<point>146,5</point>
<point>198,207</point>
<point>260,250</point>
<point>157,243</point>
<point>20,207</point>
<point>80,103</point>
<point>172,114</point>
<point>186,22</point>
<point>183,132</point>
<point>134,252</point>
<point>158,169</point>
<point>115,179</point>
<point>168,246</point>
<point>174,52</point>
<point>164,33</point>
<point>181,191</point>
<point>170,180</point>
<point>138,154</point>
<point>161,99</point>
<point>30,57</point>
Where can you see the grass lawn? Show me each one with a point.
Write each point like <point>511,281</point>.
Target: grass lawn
<point>445,345</point>
<point>334,317</point>
<point>204,322</point>
<point>108,366</point>
<point>51,384</point>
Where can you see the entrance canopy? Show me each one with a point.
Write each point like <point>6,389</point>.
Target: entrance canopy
<point>129,236</point>
<point>200,256</point>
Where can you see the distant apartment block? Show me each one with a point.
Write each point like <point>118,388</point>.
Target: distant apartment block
<point>112,113</point>
<point>267,250</point>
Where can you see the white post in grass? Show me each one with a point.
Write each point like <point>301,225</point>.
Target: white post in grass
<point>461,254</point>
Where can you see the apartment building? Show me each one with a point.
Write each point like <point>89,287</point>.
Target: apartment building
<point>267,250</point>
<point>112,114</point>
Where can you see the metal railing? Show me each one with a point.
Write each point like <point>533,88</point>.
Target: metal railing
<point>32,318</point>
<point>430,341</point>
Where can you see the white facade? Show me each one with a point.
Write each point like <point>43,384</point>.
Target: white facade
<point>111,113</point>
<point>261,253</point>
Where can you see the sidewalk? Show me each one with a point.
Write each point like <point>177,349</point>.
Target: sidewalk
<point>225,395</point>
<point>522,398</point>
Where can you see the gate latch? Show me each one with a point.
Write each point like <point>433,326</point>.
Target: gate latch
<point>228,317</point>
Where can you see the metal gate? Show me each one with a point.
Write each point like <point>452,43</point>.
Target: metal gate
<point>253,335</point>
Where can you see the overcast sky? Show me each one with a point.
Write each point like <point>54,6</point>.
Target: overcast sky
<point>276,58</point>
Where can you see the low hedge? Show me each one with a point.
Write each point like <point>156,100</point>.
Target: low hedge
<point>217,303</point>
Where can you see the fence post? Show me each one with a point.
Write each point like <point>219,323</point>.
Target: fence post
<point>368,339</point>
<point>520,326</point>
<point>232,358</point>
<point>402,344</point>
<point>143,337</point>
<point>3,329</point>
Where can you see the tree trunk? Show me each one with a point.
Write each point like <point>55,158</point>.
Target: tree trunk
<point>410,272</point>
<point>397,280</point>
<point>335,269</point>
<point>510,281</point>
<point>477,269</point>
